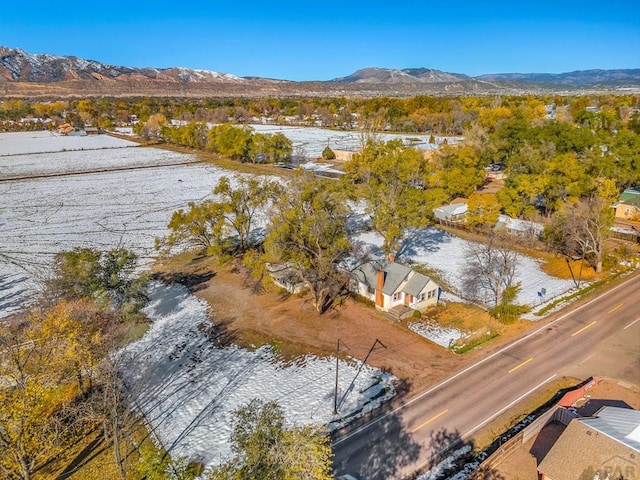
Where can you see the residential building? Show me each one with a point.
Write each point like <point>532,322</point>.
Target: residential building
<point>516,227</point>
<point>605,446</point>
<point>285,276</point>
<point>455,212</point>
<point>628,205</point>
<point>391,285</point>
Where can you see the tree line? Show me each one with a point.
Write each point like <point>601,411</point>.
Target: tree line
<point>237,142</point>
<point>439,115</point>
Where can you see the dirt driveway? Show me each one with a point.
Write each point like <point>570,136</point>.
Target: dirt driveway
<point>292,326</point>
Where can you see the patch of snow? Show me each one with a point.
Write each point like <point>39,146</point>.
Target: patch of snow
<point>188,388</point>
<point>313,139</point>
<point>634,434</point>
<point>38,164</point>
<point>443,336</point>
<point>436,472</point>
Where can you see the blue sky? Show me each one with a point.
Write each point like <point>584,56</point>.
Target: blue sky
<point>321,40</point>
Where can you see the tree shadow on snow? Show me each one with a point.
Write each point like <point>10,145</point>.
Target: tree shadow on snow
<point>420,241</point>
<point>12,299</point>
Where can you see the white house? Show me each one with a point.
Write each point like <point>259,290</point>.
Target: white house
<point>454,212</point>
<point>520,228</point>
<point>391,285</point>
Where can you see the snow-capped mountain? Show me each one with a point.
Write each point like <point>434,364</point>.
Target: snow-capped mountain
<point>20,66</point>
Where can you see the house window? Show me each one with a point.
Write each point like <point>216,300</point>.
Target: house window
<point>420,297</point>
<point>432,293</point>
<point>397,296</point>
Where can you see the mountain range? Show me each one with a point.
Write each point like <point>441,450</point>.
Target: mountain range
<point>26,74</point>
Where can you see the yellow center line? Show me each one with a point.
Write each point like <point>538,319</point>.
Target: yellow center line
<point>583,328</point>
<point>522,364</point>
<point>615,308</point>
<point>430,420</point>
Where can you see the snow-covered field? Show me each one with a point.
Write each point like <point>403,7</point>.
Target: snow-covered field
<point>444,252</point>
<point>21,143</point>
<point>313,140</point>
<point>41,217</point>
<point>39,164</point>
<point>188,388</point>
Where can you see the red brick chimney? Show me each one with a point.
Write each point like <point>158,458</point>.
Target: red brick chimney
<point>379,287</point>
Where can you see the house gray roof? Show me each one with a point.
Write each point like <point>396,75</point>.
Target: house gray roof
<point>621,424</point>
<point>594,445</point>
<point>415,284</point>
<point>394,275</point>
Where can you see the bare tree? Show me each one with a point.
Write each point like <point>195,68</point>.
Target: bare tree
<point>581,230</point>
<point>490,271</point>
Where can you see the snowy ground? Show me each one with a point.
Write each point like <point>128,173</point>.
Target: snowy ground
<point>443,336</point>
<point>41,217</point>
<point>314,140</point>
<point>39,164</point>
<point>188,388</point>
<point>21,143</point>
<point>444,252</point>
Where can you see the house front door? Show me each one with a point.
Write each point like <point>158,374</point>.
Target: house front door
<point>408,299</point>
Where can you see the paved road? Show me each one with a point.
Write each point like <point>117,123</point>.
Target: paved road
<point>404,439</point>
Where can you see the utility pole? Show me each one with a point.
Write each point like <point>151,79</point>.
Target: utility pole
<point>358,373</point>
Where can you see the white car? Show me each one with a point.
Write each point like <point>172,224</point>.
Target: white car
<point>346,476</point>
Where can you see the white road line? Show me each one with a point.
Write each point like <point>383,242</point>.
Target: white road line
<point>471,367</point>
<point>424,464</point>
<point>632,323</point>
<point>482,424</point>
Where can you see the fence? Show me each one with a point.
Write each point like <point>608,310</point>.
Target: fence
<point>626,235</point>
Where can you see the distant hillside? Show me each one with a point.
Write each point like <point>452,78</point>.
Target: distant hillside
<point>407,75</point>
<point>23,74</point>
<point>578,78</point>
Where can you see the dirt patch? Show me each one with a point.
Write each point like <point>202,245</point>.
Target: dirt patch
<point>292,326</point>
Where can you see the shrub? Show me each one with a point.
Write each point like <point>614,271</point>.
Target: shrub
<point>416,314</point>
<point>328,154</point>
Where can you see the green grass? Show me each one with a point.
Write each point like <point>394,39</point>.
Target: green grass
<point>473,344</point>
